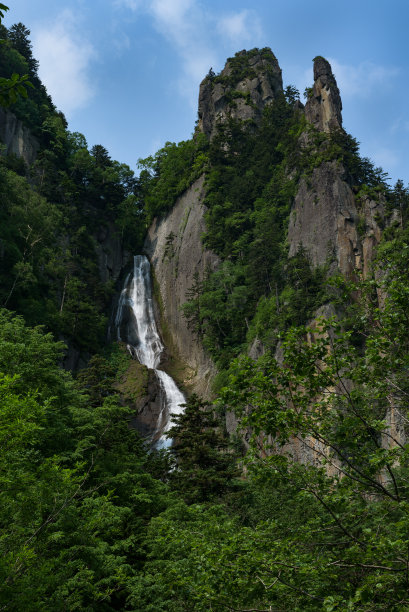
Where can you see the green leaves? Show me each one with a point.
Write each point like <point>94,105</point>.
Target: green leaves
<point>11,88</point>
<point>170,172</point>
<point>75,496</point>
<point>205,467</point>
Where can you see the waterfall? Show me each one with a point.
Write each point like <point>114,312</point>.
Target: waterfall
<point>135,325</point>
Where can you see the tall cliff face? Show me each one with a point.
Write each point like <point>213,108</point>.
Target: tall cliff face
<point>176,252</point>
<point>336,223</point>
<point>327,219</point>
<point>247,83</point>
<point>17,137</point>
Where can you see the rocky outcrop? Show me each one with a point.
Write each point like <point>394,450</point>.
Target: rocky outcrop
<point>333,227</point>
<point>109,252</point>
<point>175,250</point>
<point>247,83</point>
<point>327,219</point>
<point>17,138</point>
<point>139,389</point>
<point>324,106</point>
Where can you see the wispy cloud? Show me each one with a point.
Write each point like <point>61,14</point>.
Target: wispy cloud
<point>130,4</point>
<point>191,30</point>
<point>181,23</point>
<point>401,124</point>
<point>358,81</point>
<point>361,80</point>
<point>64,60</point>
<point>244,26</point>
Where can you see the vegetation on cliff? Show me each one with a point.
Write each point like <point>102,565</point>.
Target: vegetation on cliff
<point>92,521</point>
<point>53,212</point>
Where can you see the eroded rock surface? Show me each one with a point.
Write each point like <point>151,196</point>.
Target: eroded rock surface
<point>247,83</point>
<point>327,219</point>
<point>17,138</point>
<point>175,250</point>
<point>139,389</point>
<point>324,106</point>
<point>324,218</point>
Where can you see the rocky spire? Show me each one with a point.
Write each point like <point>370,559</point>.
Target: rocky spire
<point>323,108</point>
<point>249,81</point>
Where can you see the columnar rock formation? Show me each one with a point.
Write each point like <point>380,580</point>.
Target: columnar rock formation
<point>247,83</point>
<point>324,106</point>
<point>326,215</point>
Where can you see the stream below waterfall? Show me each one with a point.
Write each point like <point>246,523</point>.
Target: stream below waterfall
<point>136,326</point>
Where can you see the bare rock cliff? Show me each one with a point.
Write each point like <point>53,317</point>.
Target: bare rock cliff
<point>175,250</point>
<point>247,83</point>
<point>324,105</point>
<point>327,219</point>
<point>17,138</point>
<point>109,252</point>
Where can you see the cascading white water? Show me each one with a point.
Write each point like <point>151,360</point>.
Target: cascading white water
<point>136,326</point>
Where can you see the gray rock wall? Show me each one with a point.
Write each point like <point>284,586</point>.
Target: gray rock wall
<point>324,105</point>
<point>17,138</point>
<point>219,101</point>
<point>326,218</point>
<point>109,251</point>
<point>175,250</point>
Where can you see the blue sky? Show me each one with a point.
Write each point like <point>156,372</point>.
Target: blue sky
<point>126,73</point>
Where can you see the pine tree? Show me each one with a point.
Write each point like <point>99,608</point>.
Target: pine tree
<point>205,466</point>
<point>18,35</point>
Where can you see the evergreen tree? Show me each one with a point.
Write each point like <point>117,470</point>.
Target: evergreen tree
<point>18,35</point>
<point>205,468</point>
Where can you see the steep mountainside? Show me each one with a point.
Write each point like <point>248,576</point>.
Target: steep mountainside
<point>247,83</point>
<point>330,217</point>
<point>264,221</point>
<point>17,138</point>
<point>284,190</point>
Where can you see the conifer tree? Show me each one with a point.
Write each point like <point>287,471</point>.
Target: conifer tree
<point>205,467</point>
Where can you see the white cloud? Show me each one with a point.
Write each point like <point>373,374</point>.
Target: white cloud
<point>130,4</point>
<point>244,27</point>
<point>358,81</point>
<point>172,14</point>
<point>191,29</point>
<point>361,80</point>
<point>399,125</point>
<point>64,60</point>
<point>181,23</point>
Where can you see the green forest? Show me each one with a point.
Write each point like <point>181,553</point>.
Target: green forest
<point>91,519</point>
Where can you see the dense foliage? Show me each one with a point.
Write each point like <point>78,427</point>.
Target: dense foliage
<point>55,214</point>
<point>167,174</point>
<point>89,519</point>
<point>76,494</point>
<point>331,534</point>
